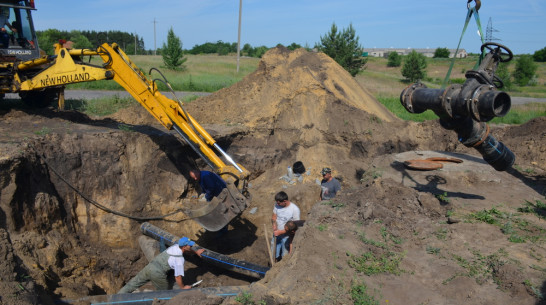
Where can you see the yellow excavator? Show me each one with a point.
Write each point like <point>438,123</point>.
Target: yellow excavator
<point>40,79</point>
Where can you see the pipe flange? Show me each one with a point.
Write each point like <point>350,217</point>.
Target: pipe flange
<point>406,96</point>
<point>476,137</point>
<point>447,98</point>
<point>472,104</point>
<point>483,136</point>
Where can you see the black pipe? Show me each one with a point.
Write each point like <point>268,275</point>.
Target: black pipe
<point>147,298</point>
<point>493,103</point>
<point>496,154</point>
<point>481,102</point>
<point>465,108</point>
<point>418,99</point>
<point>212,257</point>
<point>465,112</point>
<point>476,135</point>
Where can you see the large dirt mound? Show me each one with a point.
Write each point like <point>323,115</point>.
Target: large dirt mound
<point>418,231</point>
<point>292,88</point>
<point>301,105</point>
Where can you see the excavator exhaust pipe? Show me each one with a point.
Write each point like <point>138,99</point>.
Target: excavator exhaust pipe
<point>220,210</point>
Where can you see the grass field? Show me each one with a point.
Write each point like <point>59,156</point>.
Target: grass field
<point>203,73</point>
<point>209,73</point>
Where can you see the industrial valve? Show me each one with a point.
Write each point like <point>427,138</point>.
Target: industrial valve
<point>466,108</point>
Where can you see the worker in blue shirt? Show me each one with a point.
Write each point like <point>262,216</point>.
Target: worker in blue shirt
<point>211,184</point>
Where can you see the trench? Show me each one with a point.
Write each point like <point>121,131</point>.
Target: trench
<point>57,198</point>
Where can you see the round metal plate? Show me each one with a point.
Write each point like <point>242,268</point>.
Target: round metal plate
<point>423,164</point>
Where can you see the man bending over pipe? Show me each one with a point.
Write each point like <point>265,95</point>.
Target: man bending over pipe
<point>211,184</point>
<point>156,270</point>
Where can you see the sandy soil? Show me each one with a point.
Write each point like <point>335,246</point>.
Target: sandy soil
<point>464,233</point>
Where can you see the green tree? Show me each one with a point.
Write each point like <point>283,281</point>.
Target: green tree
<point>343,47</point>
<point>172,53</point>
<point>293,46</point>
<point>540,55</point>
<point>258,51</point>
<point>90,40</point>
<point>47,38</point>
<point>525,70</point>
<point>247,48</point>
<point>394,59</point>
<point>80,41</point>
<point>223,50</point>
<point>441,53</point>
<point>414,66</point>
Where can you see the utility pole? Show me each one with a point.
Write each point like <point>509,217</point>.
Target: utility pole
<point>155,48</point>
<point>135,43</point>
<point>239,35</point>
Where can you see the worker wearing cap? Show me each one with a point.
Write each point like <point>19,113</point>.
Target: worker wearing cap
<point>329,185</point>
<point>156,270</point>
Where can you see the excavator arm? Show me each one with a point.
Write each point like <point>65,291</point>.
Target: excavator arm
<point>61,69</point>
<point>168,112</point>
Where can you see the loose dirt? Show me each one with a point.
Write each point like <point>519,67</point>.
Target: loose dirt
<point>464,233</point>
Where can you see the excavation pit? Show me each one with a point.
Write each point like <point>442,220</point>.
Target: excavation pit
<point>297,106</point>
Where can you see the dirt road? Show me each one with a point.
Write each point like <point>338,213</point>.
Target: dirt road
<point>93,94</point>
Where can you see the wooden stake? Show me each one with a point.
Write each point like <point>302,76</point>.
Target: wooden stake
<point>268,244</point>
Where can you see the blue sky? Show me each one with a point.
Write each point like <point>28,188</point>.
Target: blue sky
<point>521,25</point>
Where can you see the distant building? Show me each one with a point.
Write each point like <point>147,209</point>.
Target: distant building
<point>384,52</point>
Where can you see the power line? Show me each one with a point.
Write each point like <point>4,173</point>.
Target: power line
<point>489,32</point>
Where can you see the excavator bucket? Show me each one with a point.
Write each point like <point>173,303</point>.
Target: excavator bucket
<point>217,213</point>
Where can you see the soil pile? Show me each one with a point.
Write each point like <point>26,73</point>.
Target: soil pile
<point>462,234</point>
<point>292,88</point>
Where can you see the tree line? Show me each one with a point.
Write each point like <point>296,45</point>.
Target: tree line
<point>341,45</point>
<point>134,44</point>
<point>130,43</point>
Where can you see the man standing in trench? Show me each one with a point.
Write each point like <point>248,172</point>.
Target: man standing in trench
<point>283,212</point>
<point>329,185</point>
<point>156,270</point>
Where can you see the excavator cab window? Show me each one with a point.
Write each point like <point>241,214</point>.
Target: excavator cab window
<point>17,35</point>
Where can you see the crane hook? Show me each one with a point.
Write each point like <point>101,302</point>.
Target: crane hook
<point>478,4</point>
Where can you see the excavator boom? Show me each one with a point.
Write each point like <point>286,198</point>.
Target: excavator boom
<point>231,202</point>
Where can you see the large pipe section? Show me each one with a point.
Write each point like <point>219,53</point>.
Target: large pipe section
<point>147,298</point>
<point>465,108</point>
<point>217,259</point>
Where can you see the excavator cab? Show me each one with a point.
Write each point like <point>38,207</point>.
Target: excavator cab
<point>18,40</point>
